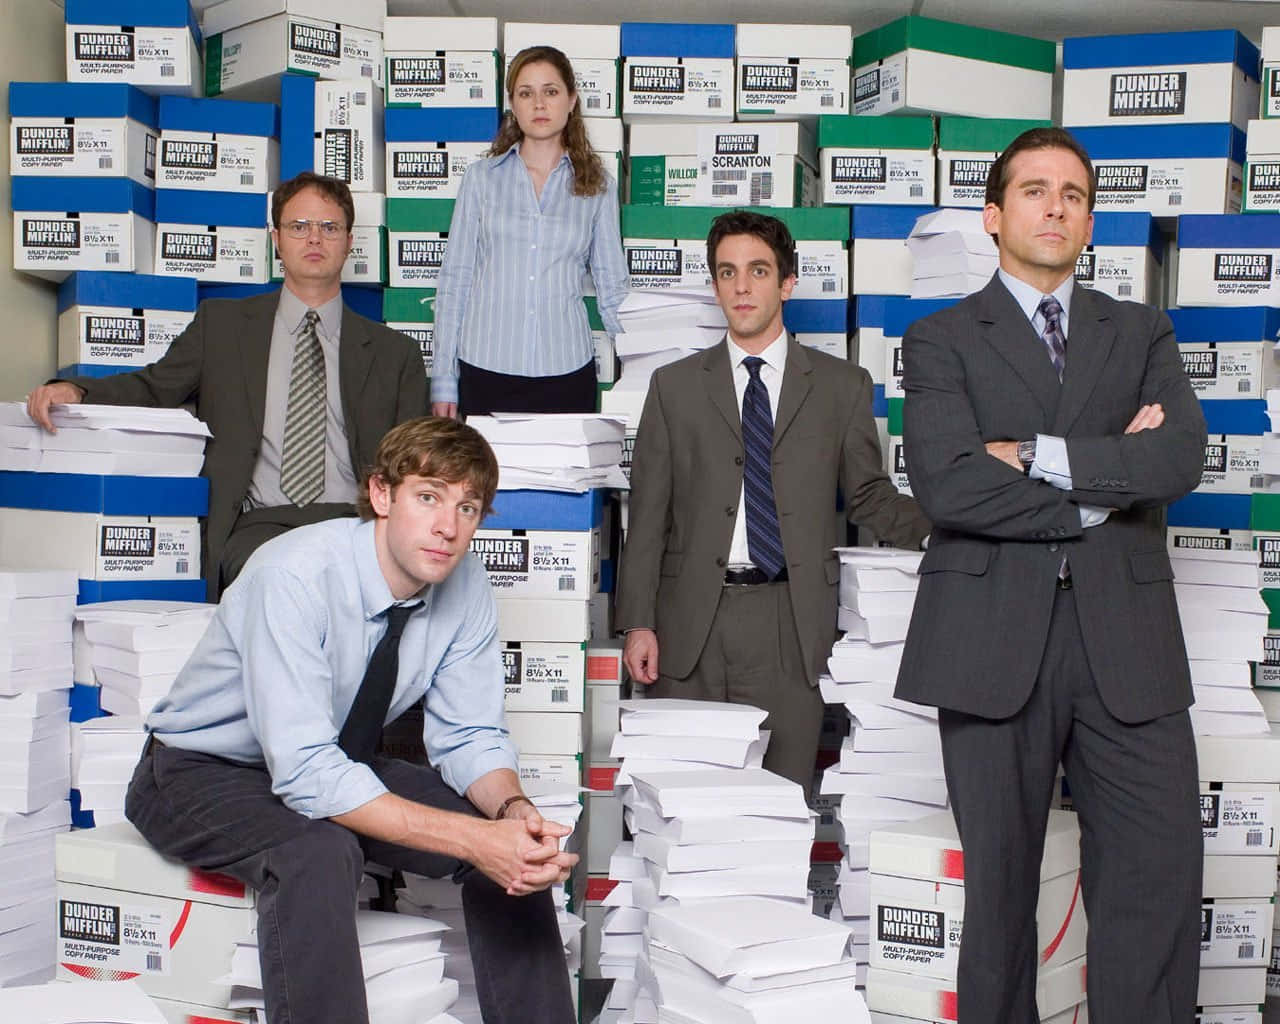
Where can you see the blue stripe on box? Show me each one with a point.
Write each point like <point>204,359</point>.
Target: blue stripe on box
<point>160,13</point>
<point>546,510</point>
<point>873,221</point>
<point>364,299</point>
<point>1128,229</point>
<point>82,195</point>
<point>608,574</point>
<point>1236,415</point>
<point>1162,142</point>
<point>94,591</point>
<point>664,39</point>
<point>441,124</point>
<point>86,702</point>
<point>223,117</point>
<point>1223,231</point>
<point>868,310</point>
<point>816,316</point>
<point>900,313</point>
<point>1242,323</point>
<point>81,99</point>
<point>106,495</point>
<point>1161,49</point>
<point>879,404</point>
<point>127,291</point>
<point>229,209</point>
<point>95,370</point>
<point>1214,511</point>
<point>80,818</point>
<point>297,125</point>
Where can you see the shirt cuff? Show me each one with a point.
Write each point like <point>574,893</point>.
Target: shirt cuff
<point>460,773</point>
<point>353,788</point>
<point>1052,464</point>
<point>444,389</point>
<point>1092,515</point>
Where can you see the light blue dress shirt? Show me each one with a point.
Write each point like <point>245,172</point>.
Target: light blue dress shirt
<point>272,679</point>
<point>510,291</point>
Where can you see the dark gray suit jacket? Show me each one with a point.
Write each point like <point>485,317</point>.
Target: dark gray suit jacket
<point>978,372</point>
<point>219,363</point>
<point>686,477</point>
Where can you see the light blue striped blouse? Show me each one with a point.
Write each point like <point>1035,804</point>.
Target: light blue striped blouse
<point>510,291</point>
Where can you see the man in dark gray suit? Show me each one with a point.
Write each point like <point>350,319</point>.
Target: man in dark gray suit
<point>1046,429</point>
<point>296,388</point>
<point>728,583</point>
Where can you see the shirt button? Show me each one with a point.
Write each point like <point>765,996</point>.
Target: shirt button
<point>737,460</point>
<point>530,277</point>
<point>730,510</point>
<point>1054,546</point>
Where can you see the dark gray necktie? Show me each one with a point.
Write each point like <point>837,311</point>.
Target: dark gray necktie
<point>302,451</point>
<point>1051,309</point>
<point>363,727</point>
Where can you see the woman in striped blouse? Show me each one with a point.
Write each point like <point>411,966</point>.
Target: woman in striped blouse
<point>532,217</point>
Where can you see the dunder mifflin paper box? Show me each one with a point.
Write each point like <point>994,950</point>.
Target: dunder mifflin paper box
<point>1228,260</point>
<point>877,159</point>
<point>1200,538</point>
<point>220,145</point>
<point>593,50</point>
<point>101,547</point>
<point>124,320</point>
<point>675,72</point>
<point>229,243</point>
<point>787,71</point>
<point>540,563</point>
<point>1228,352</point>
<point>412,311</point>
<point>1232,464</point>
<point>63,225</point>
<point>441,62</point>
<point>1240,818</point>
<point>1262,167</point>
<point>153,44</point>
<point>417,236</point>
<point>544,677</point>
<point>429,149</point>
<point>967,147</point>
<point>1124,257</point>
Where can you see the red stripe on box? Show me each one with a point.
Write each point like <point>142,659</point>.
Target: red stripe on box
<point>601,779</point>
<point>99,973</point>
<point>1052,948</point>
<point>825,853</point>
<point>209,1020</point>
<point>598,888</point>
<point>214,884</point>
<point>947,1006</point>
<point>180,927</point>
<point>953,864</point>
<point>603,667</point>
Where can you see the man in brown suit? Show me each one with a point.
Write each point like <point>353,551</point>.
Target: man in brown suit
<point>236,364</point>
<point>719,487</point>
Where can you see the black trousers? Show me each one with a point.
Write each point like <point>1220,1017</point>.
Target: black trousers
<point>1136,790</point>
<point>481,392</point>
<point>220,816</point>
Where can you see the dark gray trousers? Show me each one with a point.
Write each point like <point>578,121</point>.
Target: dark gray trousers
<point>220,816</point>
<point>1137,795</point>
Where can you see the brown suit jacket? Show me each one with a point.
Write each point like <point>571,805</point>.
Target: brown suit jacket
<point>219,364</point>
<point>686,477</point>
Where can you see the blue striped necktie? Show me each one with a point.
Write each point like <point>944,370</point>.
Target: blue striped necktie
<point>1051,309</point>
<point>764,539</point>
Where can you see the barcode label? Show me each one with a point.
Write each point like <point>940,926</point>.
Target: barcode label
<point>361,268</point>
<point>110,257</point>
<point>168,70</point>
<point>476,92</point>
<point>182,566</point>
<point>155,962</point>
<point>893,96</point>
<point>366,70</point>
<point>761,188</point>
<point>1245,952</point>
<point>827,818</point>
<point>1124,289</point>
<point>1253,837</point>
<point>729,175</point>
<point>567,583</point>
<point>246,270</point>
<point>1244,387</point>
<point>593,102</point>
<point>246,178</point>
<point>916,191</point>
<point>1175,198</point>
<point>724,190</point>
<point>827,101</point>
<point>828,286</point>
<point>360,99</point>
<point>559,695</point>
<point>104,162</point>
<point>713,102</point>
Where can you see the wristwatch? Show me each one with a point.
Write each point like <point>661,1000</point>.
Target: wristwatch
<point>1027,454</point>
<point>502,811</point>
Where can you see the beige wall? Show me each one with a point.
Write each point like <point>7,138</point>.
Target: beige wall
<point>31,50</point>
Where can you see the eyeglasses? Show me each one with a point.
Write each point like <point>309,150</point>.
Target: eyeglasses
<point>330,229</point>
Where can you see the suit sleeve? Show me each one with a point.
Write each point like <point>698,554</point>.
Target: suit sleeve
<point>1151,468</point>
<point>167,383</point>
<point>649,519</point>
<point>411,393</point>
<point>870,496</point>
<point>959,486</point>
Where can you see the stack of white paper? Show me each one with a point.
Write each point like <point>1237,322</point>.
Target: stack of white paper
<point>571,452</point>
<point>1224,623</point>
<point>403,970</point>
<point>952,254</point>
<point>85,1002</point>
<point>28,948</point>
<point>104,753</point>
<point>103,439</point>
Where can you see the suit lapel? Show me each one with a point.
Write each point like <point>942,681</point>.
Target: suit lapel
<point>718,380</point>
<point>1088,348</point>
<point>1008,331</point>
<point>796,382</point>
<point>355,359</point>
<point>254,342</point>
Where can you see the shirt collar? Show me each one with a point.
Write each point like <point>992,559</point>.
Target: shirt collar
<point>775,355</point>
<point>1028,297</point>
<point>515,148</point>
<point>292,310</point>
<point>375,594</point>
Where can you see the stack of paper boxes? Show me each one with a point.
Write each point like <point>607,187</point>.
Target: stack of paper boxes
<point>676,72</point>
<point>442,62</point>
<point>885,161</point>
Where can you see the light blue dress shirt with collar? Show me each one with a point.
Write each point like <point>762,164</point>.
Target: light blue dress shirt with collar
<point>275,674</point>
<point>1052,464</point>
<point>509,298</point>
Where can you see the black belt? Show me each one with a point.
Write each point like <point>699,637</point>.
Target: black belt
<point>751,577</point>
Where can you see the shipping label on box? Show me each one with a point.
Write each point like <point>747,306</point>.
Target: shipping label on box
<point>1231,369</point>
<point>141,55</point>
<point>782,86</point>
<point>55,243</point>
<point>739,165</point>
<point>1197,538</point>
<point>148,549</point>
<point>962,178</point>
<point>544,677</point>
<point>1232,464</point>
<point>656,264</point>
<point>83,147</point>
<point>822,271</point>
<point>416,258</point>
<point>117,938</point>
<point>916,939</point>
<point>1229,277</point>
<point>880,88</point>
<point>541,774</point>
<point>877,176</point>
<point>221,162</point>
<point>430,170</point>
<point>676,87</point>
<point>112,336</point>
<point>1235,933</point>
<point>231,254</point>
<point>1239,821</point>
<point>459,78</point>
<point>540,563</point>
<point>1122,271</point>
<point>1167,187</point>
<point>1261,184</point>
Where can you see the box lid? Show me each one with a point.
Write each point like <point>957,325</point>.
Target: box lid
<point>1124,228</point>
<point>127,291</point>
<point>546,510</point>
<point>1240,758</point>
<point>83,195</point>
<point>982,134</point>
<point>868,310</point>
<point>918,33</point>
<point>418,35</point>
<point>588,42</point>
<point>1161,49</point>
<point>900,313</point>
<point>225,209</point>
<point>1236,415</point>
<point>666,39</point>
<point>159,13</point>
<point>816,316</point>
<point>867,131</point>
<point>81,99</point>
<point>409,305</point>
<point>365,14</point>
<point>1226,323</point>
<point>1162,141</point>
<point>419,214</point>
<point>1226,231</point>
<point>441,124</point>
<point>226,117</point>
<point>821,41</point>
<point>1219,511</point>
<point>872,220</point>
<point>94,591</point>
<point>109,495</point>
<point>694,222</point>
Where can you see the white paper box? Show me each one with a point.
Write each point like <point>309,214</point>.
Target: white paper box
<point>546,733</point>
<point>1195,538</point>
<point>415,258</point>
<point>115,336</point>
<point>219,162</point>
<point>544,677</point>
<point>542,774</point>
<point>52,244</point>
<point>1240,819</point>
<point>962,178</point>
<point>349,141</point>
<point>441,62</point>
<point>1235,933</point>
<point>677,88</point>
<point>1228,277</point>
<point>879,266</point>
<point>546,564</point>
<point>1239,758</point>
<point>525,618</point>
<point>1262,164</point>
<point>927,82</point>
<point>1232,464</point>
<point>1228,985</point>
<point>931,999</point>
<point>1130,273</point>
<point>101,547</point>
<point>1238,877</point>
<point>212,253</point>
<point>878,175</point>
<point>92,147</point>
<point>429,170</point>
<point>159,59</point>
<point>783,87</point>
<point>1230,369</point>
<point>1158,94</point>
<point>593,50</point>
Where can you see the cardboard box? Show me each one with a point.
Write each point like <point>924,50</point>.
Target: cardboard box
<point>1230,370</point>
<point>250,43</point>
<point>593,50</point>
<point>441,62</point>
<point>229,243</point>
<point>63,225</point>
<point>927,66</point>
<point>1262,167</point>
<point>101,547</point>
<point>1203,77</point>
<point>787,71</point>
<point>429,149</point>
<point>542,774</point>
<point>220,145</point>
<point>348,134</point>
<point>1228,876</point>
<point>605,136</point>
<point>967,147</point>
<point>879,261</point>
<point>1125,258</point>
<point>673,72</point>
<point>121,320</point>
<point>540,564</point>
<point>547,733</point>
<point>1228,260</point>
<point>412,311</point>
<point>1232,464</point>
<point>544,677</point>
<point>877,160</point>
<point>91,130</point>
<point>604,694</point>
<point>1254,759</point>
<point>153,45</point>
<point>417,236</point>
<point>1236,933</point>
<point>531,618</point>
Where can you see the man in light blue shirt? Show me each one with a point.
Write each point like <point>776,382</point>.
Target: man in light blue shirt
<point>261,762</point>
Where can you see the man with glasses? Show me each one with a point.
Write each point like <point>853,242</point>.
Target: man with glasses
<point>296,387</point>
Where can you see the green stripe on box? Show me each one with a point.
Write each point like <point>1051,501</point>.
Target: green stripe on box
<point>213,65</point>
<point>895,417</point>
<point>982,134</point>
<point>1264,512</point>
<point>1272,599</point>
<point>409,305</point>
<point>807,224</point>
<point>419,214</point>
<point>870,131</point>
<point>949,37</point>
<point>648,182</point>
<point>593,313</point>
